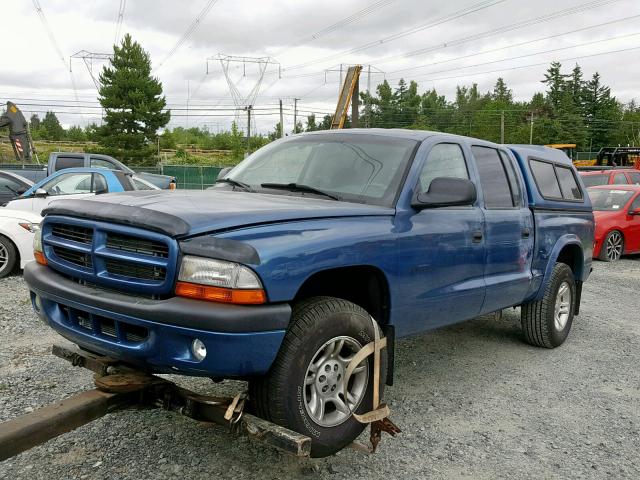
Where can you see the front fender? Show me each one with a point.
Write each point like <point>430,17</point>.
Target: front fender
<point>291,252</point>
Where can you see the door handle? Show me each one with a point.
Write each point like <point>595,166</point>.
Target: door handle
<point>477,236</point>
<point>526,233</point>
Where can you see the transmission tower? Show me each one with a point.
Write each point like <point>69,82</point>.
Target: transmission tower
<point>236,69</point>
<point>89,58</point>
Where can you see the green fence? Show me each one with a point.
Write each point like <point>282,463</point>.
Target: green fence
<point>193,177</point>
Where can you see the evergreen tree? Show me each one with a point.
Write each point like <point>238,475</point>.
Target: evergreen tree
<point>51,128</point>
<point>133,102</point>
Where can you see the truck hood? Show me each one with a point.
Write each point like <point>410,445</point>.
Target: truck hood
<point>184,213</point>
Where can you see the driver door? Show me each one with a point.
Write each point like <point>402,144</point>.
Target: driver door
<point>441,255</point>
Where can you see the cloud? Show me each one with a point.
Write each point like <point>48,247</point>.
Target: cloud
<point>32,70</point>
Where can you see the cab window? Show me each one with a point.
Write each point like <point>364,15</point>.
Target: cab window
<point>74,183</point>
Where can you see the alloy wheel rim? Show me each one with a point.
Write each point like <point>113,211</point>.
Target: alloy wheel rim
<point>563,306</point>
<point>614,246</point>
<point>4,257</point>
<point>325,398</point>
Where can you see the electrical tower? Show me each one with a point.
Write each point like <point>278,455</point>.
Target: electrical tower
<point>236,69</point>
<point>89,58</point>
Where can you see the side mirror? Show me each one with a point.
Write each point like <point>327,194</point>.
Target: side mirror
<point>101,191</point>
<point>446,192</point>
<point>40,193</point>
<point>635,211</point>
<point>224,171</point>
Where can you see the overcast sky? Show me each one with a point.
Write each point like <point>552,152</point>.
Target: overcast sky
<point>440,44</point>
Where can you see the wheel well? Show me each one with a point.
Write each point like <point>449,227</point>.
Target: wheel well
<point>571,255</point>
<point>365,286</point>
<point>15,247</point>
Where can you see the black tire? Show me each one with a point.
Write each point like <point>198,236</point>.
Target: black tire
<point>539,317</point>
<point>8,256</point>
<point>278,397</point>
<point>613,254</point>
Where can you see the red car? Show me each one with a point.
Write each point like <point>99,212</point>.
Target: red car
<point>616,210</point>
<point>618,176</point>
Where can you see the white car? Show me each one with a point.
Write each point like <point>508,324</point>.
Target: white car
<point>16,238</point>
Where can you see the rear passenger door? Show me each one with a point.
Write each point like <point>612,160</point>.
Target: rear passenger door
<point>508,229</point>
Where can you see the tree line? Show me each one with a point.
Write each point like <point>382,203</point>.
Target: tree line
<point>569,109</point>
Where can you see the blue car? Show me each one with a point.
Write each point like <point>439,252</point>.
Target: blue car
<point>298,257</point>
<point>75,183</point>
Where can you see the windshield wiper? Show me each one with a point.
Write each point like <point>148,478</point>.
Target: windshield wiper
<point>235,183</point>
<point>298,187</point>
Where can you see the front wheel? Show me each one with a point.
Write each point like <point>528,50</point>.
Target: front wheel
<point>612,247</point>
<point>8,257</point>
<point>304,388</point>
<point>546,322</point>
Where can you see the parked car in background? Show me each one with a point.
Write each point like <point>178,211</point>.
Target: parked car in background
<point>12,186</point>
<point>617,176</point>
<point>16,239</point>
<point>617,214</point>
<point>61,161</point>
<point>76,183</point>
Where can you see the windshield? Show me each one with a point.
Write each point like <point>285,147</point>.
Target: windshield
<point>609,200</point>
<point>593,180</point>
<point>354,168</point>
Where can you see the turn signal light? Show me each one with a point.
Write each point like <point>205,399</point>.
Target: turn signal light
<point>40,258</point>
<point>219,294</point>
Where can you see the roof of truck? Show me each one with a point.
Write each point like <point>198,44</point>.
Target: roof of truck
<point>545,153</point>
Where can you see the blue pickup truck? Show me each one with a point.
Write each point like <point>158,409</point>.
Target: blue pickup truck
<point>280,273</point>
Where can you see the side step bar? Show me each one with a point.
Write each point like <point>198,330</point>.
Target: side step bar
<point>119,387</point>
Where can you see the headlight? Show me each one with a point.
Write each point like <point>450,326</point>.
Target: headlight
<point>38,252</point>
<point>29,227</point>
<point>219,281</point>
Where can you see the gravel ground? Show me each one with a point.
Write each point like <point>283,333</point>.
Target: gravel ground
<point>473,401</point>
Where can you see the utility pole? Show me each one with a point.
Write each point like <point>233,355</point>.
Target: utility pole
<point>295,115</point>
<point>355,105</point>
<point>502,127</point>
<point>531,131</point>
<point>368,105</point>
<point>249,129</point>
<point>281,121</point>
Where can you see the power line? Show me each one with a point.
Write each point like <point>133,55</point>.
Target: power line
<point>444,19</point>
<point>50,34</point>
<point>513,45</point>
<point>529,54</point>
<point>359,15</point>
<point>119,19</point>
<point>192,28</point>
<point>505,28</point>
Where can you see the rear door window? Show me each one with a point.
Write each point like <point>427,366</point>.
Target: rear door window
<point>545,177</point>
<point>568,184</point>
<point>63,162</point>
<point>593,180</point>
<point>619,179</point>
<point>514,181</point>
<point>634,178</point>
<point>493,178</point>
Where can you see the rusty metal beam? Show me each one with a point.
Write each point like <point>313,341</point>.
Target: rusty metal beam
<point>121,386</point>
<point>37,427</point>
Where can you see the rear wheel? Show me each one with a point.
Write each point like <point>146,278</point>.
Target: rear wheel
<point>8,257</point>
<point>304,389</point>
<point>612,247</point>
<point>547,322</point>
